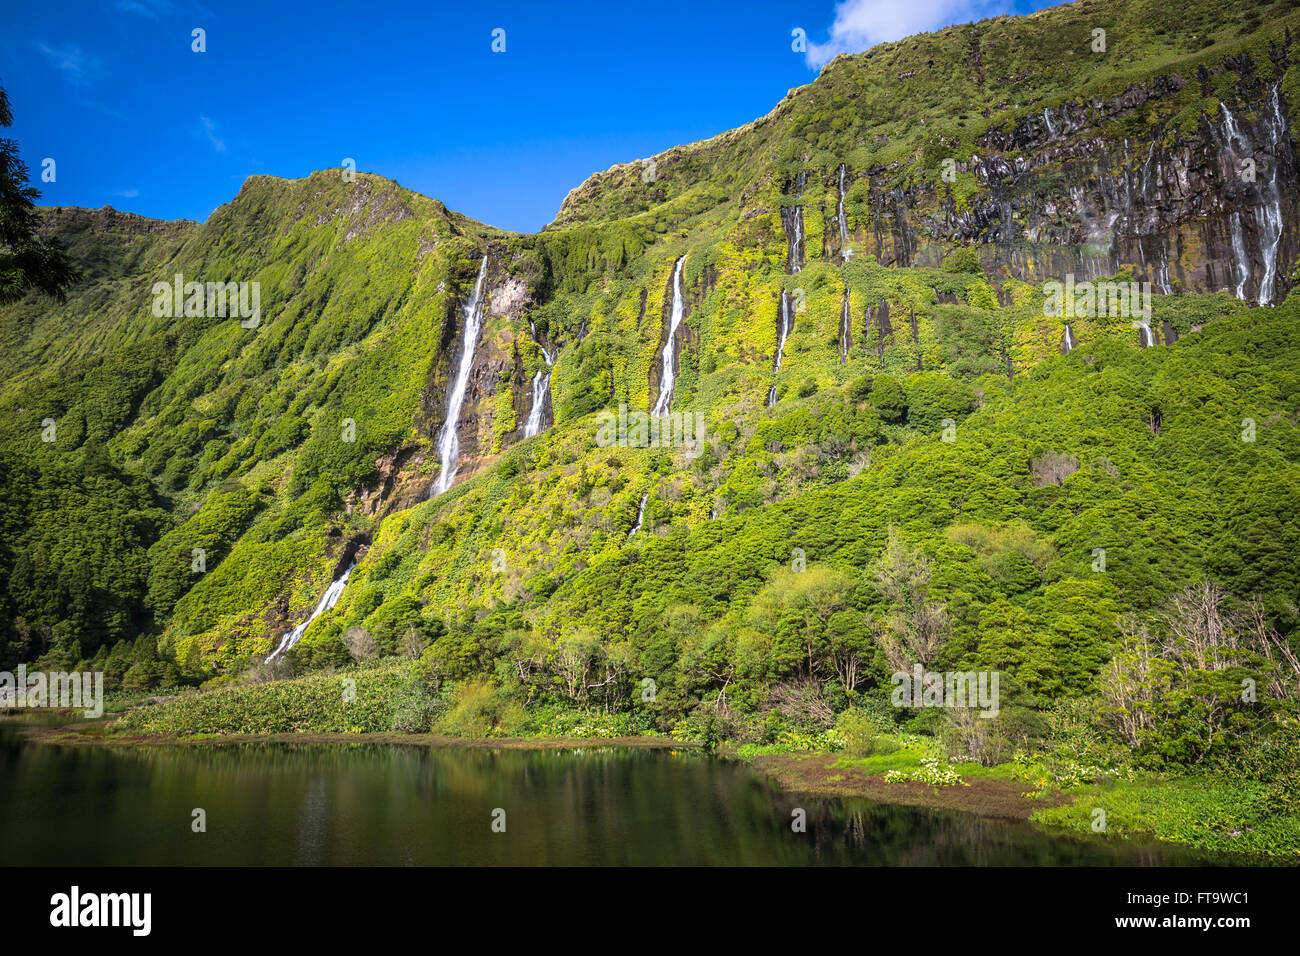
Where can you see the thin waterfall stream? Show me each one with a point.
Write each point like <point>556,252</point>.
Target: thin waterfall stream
<point>327,601</point>
<point>843,222</point>
<point>541,388</point>
<point>845,323</point>
<point>669,377</point>
<point>640,515</point>
<point>780,345</point>
<point>449,440</point>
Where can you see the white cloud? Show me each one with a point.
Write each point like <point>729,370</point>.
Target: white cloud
<point>73,63</point>
<point>861,24</point>
<point>156,9</point>
<point>142,8</point>
<point>209,129</point>
<point>127,193</point>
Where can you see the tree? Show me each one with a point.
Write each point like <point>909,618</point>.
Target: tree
<point>808,626</point>
<point>932,397</point>
<point>413,643</point>
<point>889,398</point>
<point>27,259</point>
<point>360,644</point>
<point>1132,681</point>
<point>1180,692</point>
<point>964,260</point>
<point>916,627</point>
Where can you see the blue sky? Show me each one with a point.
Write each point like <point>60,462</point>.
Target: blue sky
<point>133,118</point>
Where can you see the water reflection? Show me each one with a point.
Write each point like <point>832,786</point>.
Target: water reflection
<point>361,804</point>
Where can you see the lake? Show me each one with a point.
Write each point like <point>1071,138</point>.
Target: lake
<point>370,804</point>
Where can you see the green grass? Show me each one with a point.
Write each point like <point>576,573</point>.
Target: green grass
<point>317,704</point>
<point>1202,811</point>
<point>537,612</point>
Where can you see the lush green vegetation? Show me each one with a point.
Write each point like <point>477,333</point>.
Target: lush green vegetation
<point>1112,531</point>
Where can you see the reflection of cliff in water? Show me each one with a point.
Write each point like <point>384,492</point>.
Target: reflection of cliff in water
<point>364,804</point>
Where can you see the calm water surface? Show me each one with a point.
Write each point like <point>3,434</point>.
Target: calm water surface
<point>363,804</point>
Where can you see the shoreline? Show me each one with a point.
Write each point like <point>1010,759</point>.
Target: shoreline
<point>816,773</point>
<point>812,773</point>
<point>80,735</point>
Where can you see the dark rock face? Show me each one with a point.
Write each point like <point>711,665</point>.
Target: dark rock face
<point>1065,192</point>
<point>490,367</point>
<point>394,486</point>
<point>883,327</point>
<point>792,223</point>
<point>521,396</point>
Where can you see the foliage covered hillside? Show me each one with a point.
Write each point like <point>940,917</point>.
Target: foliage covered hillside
<point>171,434</point>
<point>1140,453</point>
<point>925,478</point>
<point>1062,152</point>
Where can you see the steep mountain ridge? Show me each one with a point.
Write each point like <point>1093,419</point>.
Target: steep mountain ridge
<point>1048,171</point>
<point>288,451</point>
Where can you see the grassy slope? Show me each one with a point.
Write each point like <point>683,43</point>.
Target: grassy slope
<point>899,106</point>
<point>356,282</point>
<point>175,434</point>
<point>225,439</point>
<point>561,519</point>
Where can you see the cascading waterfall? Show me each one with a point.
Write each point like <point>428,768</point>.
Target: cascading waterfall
<point>541,382</point>
<point>669,377</point>
<point>798,239</point>
<point>843,220</point>
<point>640,515</point>
<point>327,601</point>
<point>1230,129</point>
<point>1069,339</point>
<point>792,223</point>
<point>845,322</point>
<point>780,345</point>
<point>448,440</point>
<point>541,387</point>
<point>1162,275</point>
<point>1269,216</point>
<point>1145,337</point>
<point>1268,211</point>
<point>1231,136</point>
<point>1239,253</point>
<point>1269,221</point>
<point>792,220</point>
